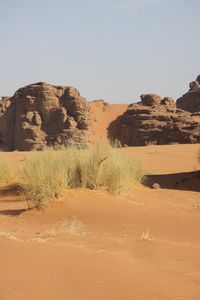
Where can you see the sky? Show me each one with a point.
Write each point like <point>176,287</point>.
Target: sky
<point>114,50</point>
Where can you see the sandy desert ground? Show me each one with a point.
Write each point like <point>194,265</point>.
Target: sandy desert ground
<point>144,245</point>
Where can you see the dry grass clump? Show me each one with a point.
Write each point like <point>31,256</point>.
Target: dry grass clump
<point>146,236</point>
<point>72,225</point>
<point>45,176</point>
<point>101,167</point>
<point>8,235</point>
<point>6,171</point>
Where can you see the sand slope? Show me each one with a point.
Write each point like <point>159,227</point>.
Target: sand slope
<point>102,114</point>
<point>141,246</point>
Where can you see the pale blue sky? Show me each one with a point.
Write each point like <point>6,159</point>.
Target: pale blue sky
<point>110,49</point>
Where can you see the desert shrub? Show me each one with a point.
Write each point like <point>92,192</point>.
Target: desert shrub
<point>119,172</point>
<point>43,177</point>
<point>101,167</point>
<point>84,166</point>
<point>46,174</point>
<point>6,171</point>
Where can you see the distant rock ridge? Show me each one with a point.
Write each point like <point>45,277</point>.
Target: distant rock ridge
<point>191,100</point>
<point>155,121</point>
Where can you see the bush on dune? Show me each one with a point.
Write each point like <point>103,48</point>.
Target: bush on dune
<point>45,175</point>
<point>42,177</point>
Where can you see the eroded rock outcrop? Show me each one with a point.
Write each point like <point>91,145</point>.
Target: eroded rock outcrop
<point>40,115</point>
<point>155,121</point>
<point>191,100</point>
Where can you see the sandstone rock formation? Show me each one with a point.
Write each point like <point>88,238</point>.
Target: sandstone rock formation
<point>191,100</point>
<point>155,121</point>
<point>150,99</point>
<point>40,115</point>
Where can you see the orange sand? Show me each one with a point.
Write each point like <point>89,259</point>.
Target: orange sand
<point>142,246</point>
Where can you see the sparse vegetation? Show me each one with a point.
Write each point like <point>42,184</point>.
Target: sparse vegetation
<point>44,176</point>
<point>72,225</point>
<point>8,235</point>
<point>146,236</point>
<point>6,172</point>
<point>67,225</point>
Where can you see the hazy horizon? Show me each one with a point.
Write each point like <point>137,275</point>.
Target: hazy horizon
<point>114,50</point>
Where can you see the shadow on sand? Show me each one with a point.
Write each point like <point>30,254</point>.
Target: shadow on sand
<point>187,181</point>
<point>10,194</point>
<point>12,212</point>
<point>12,189</point>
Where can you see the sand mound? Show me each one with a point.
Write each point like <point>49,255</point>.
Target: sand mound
<point>91,245</point>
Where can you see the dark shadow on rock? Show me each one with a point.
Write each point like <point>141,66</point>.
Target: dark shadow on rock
<point>112,130</point>
<point>186,181</point>
<point>7,124</point>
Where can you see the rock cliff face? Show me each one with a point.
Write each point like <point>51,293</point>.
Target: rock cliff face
<point>41,115</point>
<point>155,121</point>
<point>191,100</point>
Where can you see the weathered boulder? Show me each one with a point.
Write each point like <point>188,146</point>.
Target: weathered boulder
<point>150,99</point>
<point>169,101</point>
<point>160,123</point>
<point>38,115</point>
<point>191,100</point>
<point>194,85</point>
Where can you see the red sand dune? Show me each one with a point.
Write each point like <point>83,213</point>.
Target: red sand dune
<point>143,246</point>
<point>102,115</point>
